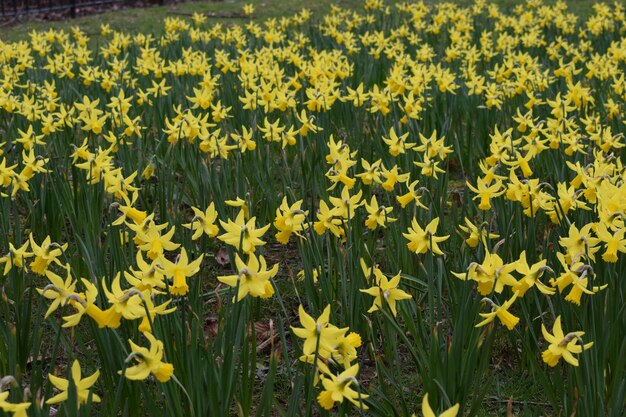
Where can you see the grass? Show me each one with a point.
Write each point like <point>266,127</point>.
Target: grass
<point>149,19</point>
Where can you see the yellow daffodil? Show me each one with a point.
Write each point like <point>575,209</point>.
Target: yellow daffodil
<point>338,388</point>
<point>252,277</point>
<point>502,313</point>
<point>385,289</point>
<point>424,240</point>
<point>149,361</point>
<point>320,337</point>
<point>45,254</point>
<point>427,411</point>
<point>562,345</point>
<point>82,386</point>
<point>486,192</point>
<point>377,215</point>
<point>242,234</point>
<point>15,257</point>
<point>179,271</point>
<point>17,409</point>
<point>289,220</point>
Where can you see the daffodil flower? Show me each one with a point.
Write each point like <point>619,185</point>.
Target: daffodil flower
<point>45,254</point>
<point>149,361</point>
<point>17,409</point>
<point>486,192</point>
<point>377,215</point>
<point>562,345</point>
<point>251,278</point>
<point>427,411</point>
<point>502,313</point>
<point>387,290</point>
<point>241,233</point>
<point>338,388</point>
<point>179,271</point>
<point>423,240</point>
<point>289,220</point>
<point>319,335</point>
<point>82,386</point>
<point>15,257</point>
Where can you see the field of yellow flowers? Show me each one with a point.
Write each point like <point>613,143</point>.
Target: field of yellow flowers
<point>363,214</point>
